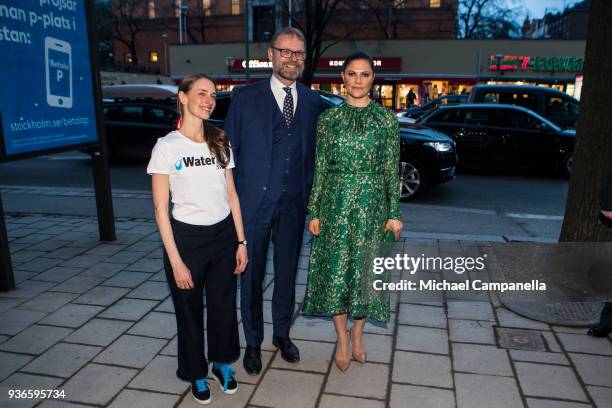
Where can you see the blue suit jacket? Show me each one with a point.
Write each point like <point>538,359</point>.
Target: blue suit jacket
<point>249,128</point>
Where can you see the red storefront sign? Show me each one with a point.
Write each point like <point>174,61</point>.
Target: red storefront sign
<point>324,64</point>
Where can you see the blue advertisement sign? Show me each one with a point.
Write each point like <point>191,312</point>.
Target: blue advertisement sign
<point>46,86</point>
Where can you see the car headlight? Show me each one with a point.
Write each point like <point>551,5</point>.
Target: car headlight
<point>440,146</point>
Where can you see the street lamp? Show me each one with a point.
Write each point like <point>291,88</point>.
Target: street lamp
<point>182,24</point>
<point>164,37</point>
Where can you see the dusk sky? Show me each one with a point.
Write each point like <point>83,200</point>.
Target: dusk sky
<point>536,8</point>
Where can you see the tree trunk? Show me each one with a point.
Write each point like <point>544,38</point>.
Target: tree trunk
<point>593,146</point>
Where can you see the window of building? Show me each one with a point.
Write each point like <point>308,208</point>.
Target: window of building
<point>153,56</point>
<point>264,24</point>
<point>206,7</point>
<point>235,6</point>
<point>408,95</point>
<point>435,3</point>
<point>127,58</point>
<point>151,9</point>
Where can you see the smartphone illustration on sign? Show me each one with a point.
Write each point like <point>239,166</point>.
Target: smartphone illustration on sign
<point>58,67</point>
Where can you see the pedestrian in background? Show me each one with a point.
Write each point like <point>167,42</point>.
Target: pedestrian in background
<point>202,242</point>
<point>354,202</point>
<point>411,97</point>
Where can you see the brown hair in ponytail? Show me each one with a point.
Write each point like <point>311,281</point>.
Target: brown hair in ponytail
<point>213,136</point>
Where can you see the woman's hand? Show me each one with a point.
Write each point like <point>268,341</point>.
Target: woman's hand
<point>314,226</point>
<point>241,259</point>
<point>182,275</point>
<point>395,226</point>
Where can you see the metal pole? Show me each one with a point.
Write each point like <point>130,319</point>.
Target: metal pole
<point>7,279</point>
<point>166,56</point>
<point>246,41</point>
<point>101,173</point>
<point>184,9</point>
<point>290,12</point>
<point>180,16</point>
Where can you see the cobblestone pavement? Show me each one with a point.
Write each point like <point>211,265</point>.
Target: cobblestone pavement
<point>95,319</point>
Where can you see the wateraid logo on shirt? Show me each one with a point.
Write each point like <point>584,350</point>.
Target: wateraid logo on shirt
<point>194,162</point>
<point>179,164</point>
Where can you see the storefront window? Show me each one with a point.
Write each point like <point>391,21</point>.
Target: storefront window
<point>384,95</point>
<point>225,87</point>
<point>407,96</point>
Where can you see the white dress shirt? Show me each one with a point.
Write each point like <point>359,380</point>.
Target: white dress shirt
<point>279,93</point>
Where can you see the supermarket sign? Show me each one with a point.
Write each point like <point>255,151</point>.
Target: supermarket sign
<point>538,63</point>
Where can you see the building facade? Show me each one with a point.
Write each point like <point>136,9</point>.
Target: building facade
<point>145,29</point>
<point>430,67</point>
<point>569,24</point>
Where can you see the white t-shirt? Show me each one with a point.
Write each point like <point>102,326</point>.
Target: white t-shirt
<point>197,182</point>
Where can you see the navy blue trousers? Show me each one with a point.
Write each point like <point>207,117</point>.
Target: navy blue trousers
<point>282,221</point>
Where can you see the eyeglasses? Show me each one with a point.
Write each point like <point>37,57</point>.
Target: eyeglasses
<point>286,53</point>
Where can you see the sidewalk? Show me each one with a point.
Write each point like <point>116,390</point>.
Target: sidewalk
<point>95,320</point>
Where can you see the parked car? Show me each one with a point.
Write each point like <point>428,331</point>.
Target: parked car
<point>504,135</point>
<point>554,105</point>
<point>136,116</point>
<point>427,157</point>
<point>412,114</point>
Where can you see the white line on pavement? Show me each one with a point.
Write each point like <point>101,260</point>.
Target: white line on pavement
<point>535,216</point>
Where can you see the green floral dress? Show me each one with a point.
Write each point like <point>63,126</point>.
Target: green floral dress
<point>355,192</point>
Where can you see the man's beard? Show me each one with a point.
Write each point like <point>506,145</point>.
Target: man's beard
<point>290,76</point>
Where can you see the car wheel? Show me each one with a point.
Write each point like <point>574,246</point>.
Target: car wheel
<point>412,179</point>
<point>567,164</point>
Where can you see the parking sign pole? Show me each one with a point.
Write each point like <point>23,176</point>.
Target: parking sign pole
<point>7,279</point>
<point>101,173</point>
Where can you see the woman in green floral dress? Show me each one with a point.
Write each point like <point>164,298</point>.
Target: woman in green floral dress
<point>354,202</point>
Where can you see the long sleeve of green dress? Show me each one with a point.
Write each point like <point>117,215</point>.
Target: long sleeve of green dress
<point>391,167</point>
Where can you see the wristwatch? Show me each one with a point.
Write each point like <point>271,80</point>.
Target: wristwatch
<point>243,242</point>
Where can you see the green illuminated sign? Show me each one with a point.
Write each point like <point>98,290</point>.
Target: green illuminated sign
<point>524,63</point>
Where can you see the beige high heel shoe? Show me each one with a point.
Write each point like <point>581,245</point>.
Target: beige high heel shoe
<point>342,362</point>
<point>361,357</point>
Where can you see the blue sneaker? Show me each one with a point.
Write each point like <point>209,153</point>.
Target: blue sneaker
<point>200,391</point>
<point>224,374</point>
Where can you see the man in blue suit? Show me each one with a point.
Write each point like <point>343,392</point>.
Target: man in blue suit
<point>272,128</point>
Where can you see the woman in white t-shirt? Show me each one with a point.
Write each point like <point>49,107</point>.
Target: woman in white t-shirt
<point>204,245</point>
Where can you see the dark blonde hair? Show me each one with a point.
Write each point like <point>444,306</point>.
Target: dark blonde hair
<point>288,31</point>
<point>213,136</point>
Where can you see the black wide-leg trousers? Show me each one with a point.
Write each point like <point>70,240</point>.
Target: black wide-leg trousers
<point>210,254</point>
